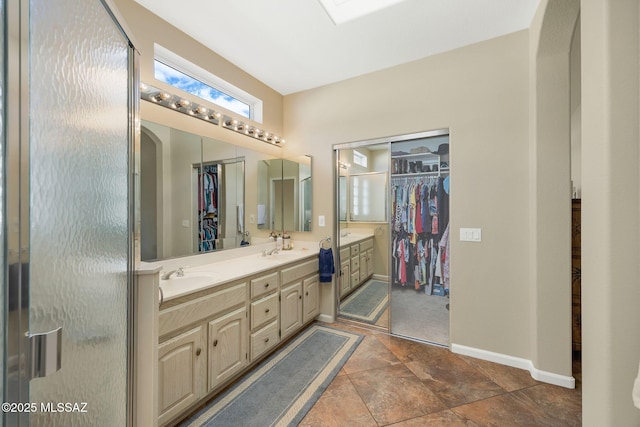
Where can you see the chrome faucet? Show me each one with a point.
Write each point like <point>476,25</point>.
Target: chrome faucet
<point>270,251</point>
<point>179,273</point>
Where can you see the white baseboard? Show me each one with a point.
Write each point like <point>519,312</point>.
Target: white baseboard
<point>325,318</point>
<point>516,362</point>
<point>380,277</point>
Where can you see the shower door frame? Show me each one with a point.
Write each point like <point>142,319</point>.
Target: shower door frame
<point>16,369</point>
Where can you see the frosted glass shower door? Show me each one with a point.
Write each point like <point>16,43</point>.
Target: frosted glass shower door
<point>80,82</point>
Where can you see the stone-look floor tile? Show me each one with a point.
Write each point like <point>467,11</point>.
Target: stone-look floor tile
<point>453,380</point>
<point>562,406</point>
<point>507,377</point>
<point>506,410</point>
<point>340,405</point>
<point>370,354</point>
<point>439,419</point>
<point>407,350</point>
<point>394,394</point>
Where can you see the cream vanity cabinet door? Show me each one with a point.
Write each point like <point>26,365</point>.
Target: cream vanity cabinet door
<point>310,298</point>
<point>290,309</point>
<point>228,337</point>
<point>181,372</point>
<point>345,271</point>
<point>366,260</point>
<point>345,277</point>
<point>364,266</point>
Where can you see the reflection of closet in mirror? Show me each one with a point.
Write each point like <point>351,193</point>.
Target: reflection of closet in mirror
<point>167,157</point>
<point>170,218</point>
<point>218,188</point>
<point>363,232</point>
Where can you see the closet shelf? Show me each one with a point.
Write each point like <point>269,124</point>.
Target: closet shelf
<point>432,173</point>
<point>414,155</point>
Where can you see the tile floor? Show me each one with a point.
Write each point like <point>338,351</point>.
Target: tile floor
<point>392,381</point>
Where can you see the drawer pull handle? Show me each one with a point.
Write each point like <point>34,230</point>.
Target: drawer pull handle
<point>215,342</point>
<point>266,285</point>
<point>198,351</point>
<point>267,310</point>
<point>266,340</point>
<point>300,296</point>
<point>307,293</point>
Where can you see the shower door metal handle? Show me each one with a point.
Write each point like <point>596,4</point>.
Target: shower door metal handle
<point>46,353</point>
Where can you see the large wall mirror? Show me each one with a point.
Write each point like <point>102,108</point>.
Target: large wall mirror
<point>199,195</point>
<point>284,194</point>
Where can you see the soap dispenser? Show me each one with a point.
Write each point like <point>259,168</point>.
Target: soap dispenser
<point>279,243</point>
<point>286,241</point>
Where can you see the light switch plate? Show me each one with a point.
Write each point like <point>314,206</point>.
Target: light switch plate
<point>470,234</point>
<point>321,221</point>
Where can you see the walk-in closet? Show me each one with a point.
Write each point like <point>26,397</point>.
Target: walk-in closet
<point>393,234</point>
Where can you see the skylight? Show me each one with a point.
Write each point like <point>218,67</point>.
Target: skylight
<point>341,11</point>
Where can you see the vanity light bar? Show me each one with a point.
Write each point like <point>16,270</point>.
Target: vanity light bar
<point>184,106</point>
<point>252,131</point>
<point>168,100</point>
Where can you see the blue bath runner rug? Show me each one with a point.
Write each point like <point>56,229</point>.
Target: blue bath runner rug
<point>283,388</point>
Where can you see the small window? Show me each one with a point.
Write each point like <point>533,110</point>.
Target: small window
<point>188,77</point>
<point>359,159</point>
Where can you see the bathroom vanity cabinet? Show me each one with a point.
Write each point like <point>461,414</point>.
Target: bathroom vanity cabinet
<point>299,297</point>
<point>209,338</point>
<point>203,342</point>
<point>356,265</point>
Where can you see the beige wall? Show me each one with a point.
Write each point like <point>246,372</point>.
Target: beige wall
<point>480,93</point>
<point>610,210</point>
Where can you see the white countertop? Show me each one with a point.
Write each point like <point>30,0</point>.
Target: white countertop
<point>354,238</point>
<point>223,269</point>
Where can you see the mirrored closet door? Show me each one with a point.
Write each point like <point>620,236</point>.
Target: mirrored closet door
<point>363,233</point>
<point>393,234</point>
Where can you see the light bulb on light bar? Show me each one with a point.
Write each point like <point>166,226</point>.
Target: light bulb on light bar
<point>193,109</point>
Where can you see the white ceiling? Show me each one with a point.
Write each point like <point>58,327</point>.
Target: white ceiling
<point>293,45</point>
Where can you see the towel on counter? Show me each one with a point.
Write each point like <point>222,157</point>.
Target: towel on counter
<point>326,266</point>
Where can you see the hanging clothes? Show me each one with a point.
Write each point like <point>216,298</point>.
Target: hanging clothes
<point>419,225</point>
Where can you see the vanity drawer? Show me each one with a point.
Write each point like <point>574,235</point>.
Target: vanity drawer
<point>264,284</point>
<point>195,310</point>
<point>299,271</point>
<point>367,244</point>
<point>264,339</point>
<point>264,310</point>
<point>355,249</point>
<point>345,253</point>
<point>355,263</point>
